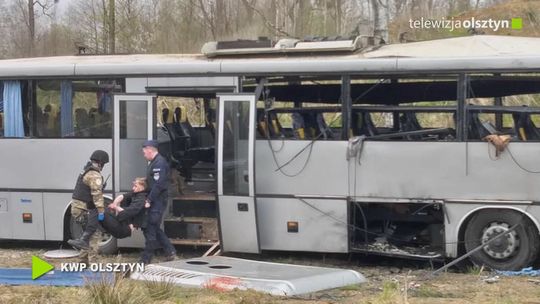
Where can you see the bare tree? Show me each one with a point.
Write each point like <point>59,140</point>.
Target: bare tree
<point>380,18</point>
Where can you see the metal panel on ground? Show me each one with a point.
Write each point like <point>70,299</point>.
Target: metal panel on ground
<point>225,273</point>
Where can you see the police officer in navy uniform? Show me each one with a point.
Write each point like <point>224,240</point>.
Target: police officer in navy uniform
<point>88,197</point>
<point>157,177</point>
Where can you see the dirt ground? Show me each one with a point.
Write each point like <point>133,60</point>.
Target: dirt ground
<point>389,281</point>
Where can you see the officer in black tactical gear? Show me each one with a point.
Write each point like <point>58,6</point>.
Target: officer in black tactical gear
<point>88,197</point>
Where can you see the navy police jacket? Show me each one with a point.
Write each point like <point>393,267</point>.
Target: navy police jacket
<point>157,177</point>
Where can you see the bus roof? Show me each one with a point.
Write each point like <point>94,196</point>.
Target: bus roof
<point>463,54</point>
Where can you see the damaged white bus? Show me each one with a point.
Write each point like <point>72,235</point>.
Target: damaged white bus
<point>343,145</point>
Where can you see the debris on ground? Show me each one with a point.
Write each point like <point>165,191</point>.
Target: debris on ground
<point>491,279</point>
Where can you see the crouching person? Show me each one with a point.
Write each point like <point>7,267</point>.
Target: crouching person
<point>127,212</point>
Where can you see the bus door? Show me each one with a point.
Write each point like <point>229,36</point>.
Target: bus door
<point>133,125</point>
<point>235,168</point>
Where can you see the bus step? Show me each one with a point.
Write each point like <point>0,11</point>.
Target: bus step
<point>194,206</point>
<point>192,242</point>
<point>200,228</point>
<point>393,251</point>
<point>203,180</point>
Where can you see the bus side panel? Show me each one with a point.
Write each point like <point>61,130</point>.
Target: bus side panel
<point>448,170</point>
<point>27,203</point>
<point>6,227</point>
<point>314,231</point>
<point>54,206</point>
<point>324,174</point>
<point>47,164</point>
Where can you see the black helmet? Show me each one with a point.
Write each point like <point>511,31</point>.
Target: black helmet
<point>100,156</point>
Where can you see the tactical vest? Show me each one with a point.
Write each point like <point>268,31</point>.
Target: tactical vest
<point>82,191</point>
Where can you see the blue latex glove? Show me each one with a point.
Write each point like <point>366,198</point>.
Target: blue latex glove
<point>101,217</point>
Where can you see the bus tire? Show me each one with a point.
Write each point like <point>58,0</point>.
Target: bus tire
<point>516,250</point>
<point>107,245</point>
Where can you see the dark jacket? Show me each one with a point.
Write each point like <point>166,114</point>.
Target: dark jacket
<point>134,211</point>
<point>157,177</point>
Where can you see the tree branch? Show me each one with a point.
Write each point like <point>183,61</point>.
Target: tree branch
<point>267,23</point>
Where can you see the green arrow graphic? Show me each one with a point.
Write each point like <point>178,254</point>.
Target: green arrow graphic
<point>40,267</point>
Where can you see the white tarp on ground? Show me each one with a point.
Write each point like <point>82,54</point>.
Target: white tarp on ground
<point>226,273</point>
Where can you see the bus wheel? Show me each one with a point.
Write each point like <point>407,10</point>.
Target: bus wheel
<point>107,243</point>
<point>514,251</point>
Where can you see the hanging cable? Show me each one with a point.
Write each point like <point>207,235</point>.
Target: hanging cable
<point>312,142</point>
<point>518,164</point>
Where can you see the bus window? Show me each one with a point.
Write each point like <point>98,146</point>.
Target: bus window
<point>65,108</point>
<point>1,109</point>
<point>14,108</point>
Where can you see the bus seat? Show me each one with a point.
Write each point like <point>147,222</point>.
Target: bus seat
<point>298,126</point>
<point>184,127</point>
<point>362,124</point>
<point>165,116</point>
<point>40,121</point>
<point>323,127</point>
<point>311,127</point>
<point>525,127</point>
<point>304,125</point>
<point>184,147</point>
<point>92,121</point>
<point>275,128</point>
<point>368,127</point>
<point>476,128</point>
<point>51,123</point>
<point>409,122</point>
<point>262,128</point>
<point>210,119</point>
<point>356,124</point>
<point>81,122</point>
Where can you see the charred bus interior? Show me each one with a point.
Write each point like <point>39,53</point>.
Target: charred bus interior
<point>419,108</point>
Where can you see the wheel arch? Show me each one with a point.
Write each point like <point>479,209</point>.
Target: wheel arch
<point>467,217</point>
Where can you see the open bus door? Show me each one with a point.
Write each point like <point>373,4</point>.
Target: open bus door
<point>236,178</point>
<point>133,125</point>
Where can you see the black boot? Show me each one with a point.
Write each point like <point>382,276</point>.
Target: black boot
<point>82,243</point>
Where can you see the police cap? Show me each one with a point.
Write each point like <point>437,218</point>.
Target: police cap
<point>151,143</point>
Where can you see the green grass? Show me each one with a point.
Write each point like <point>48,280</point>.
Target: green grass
<point>474,270</point>
<point>160,290</point>
<point>390,293</point>
<point>119,291</point>
<point>353,287</point>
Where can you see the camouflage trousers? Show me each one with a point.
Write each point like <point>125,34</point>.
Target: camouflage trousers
<point>91,254</point>
<point>80,214</point>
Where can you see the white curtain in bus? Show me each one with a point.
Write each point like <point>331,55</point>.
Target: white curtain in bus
<point>66,108</point>
<point>13,117</point>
